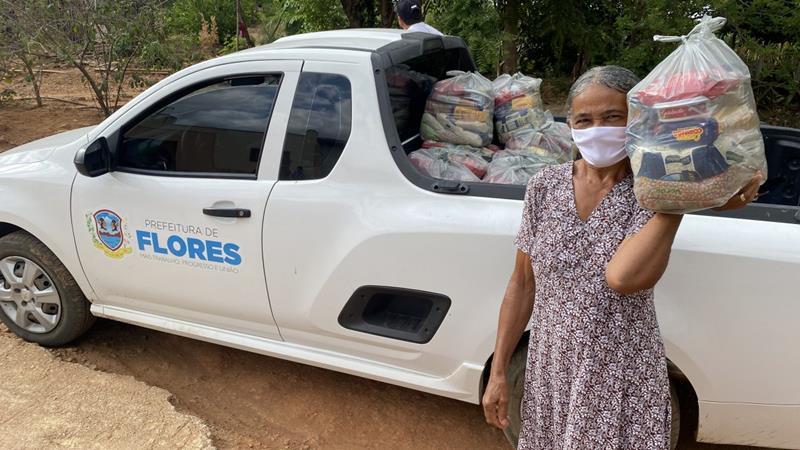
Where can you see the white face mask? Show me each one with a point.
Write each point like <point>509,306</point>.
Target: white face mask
<point>601,146</point>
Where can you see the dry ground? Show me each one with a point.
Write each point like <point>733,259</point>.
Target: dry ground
<point>48,403</point>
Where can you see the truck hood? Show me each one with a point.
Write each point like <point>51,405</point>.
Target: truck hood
<point>41,149</point>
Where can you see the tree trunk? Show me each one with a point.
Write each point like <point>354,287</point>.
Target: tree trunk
<point>581,64</point>
<point>509,16</point>
<point>387,14</point>
<point>35,81</point>
<point>360,13</point>
<point>241,26</point>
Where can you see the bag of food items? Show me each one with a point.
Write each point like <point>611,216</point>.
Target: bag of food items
<point>515,166</point>
<point>450,162</point>
<point>553,141</point>
<point>693,131</point>
<point>517,105</point>
<point>460,110</point>
<point>486,152</point>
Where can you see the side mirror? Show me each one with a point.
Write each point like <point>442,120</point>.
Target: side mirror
<point>94,160</point>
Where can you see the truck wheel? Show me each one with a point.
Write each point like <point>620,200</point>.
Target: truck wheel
<point>39,300</point>
<point>516,386</point>
<point>516,383</point>
<point>675,430</point>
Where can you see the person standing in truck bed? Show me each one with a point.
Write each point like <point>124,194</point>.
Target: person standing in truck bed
<point>409,16</point>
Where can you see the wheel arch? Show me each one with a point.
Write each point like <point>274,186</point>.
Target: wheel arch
<point>8,228</point>
<point>687,400</point>
<point>73,265</point>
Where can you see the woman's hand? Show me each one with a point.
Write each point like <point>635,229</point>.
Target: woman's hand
<point>746,195</point>
<point>495,401</point>
<point>515,311</point>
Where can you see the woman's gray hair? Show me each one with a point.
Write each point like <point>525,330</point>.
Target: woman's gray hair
<point>614,77</point>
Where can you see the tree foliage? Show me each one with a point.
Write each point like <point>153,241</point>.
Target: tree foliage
<point>551,38</point>
<point>100,38</point>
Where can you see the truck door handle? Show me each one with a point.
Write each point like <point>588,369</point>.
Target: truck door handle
<point>227,212</point>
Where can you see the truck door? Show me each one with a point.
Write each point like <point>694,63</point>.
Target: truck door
<point>175,229</point>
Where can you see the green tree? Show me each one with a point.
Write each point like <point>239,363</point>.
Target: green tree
<point>314,15</point>
<point>477,22</point>
<point>100,38</point>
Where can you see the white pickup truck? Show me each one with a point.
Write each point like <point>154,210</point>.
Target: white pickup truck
<point>265,201</point>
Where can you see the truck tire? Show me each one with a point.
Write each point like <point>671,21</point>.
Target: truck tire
<point>516,384</point>
<point>675,429</point>
<point>39,300</point>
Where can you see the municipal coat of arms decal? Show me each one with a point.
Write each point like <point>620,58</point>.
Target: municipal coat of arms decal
<point>108,233</point>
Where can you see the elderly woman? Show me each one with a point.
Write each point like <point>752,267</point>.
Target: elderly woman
<point>596,375</point>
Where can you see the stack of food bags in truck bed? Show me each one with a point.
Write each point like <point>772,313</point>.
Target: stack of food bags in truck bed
<point>693,130</point>
<point>460,111</point>
<point>457,128</point>
<point>461,116</point>
<point>532,138</point>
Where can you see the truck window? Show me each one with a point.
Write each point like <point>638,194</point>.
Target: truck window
<point>319,126</point>
<point>408,75</point>
<point>411,82</point>
<point>217,128</point>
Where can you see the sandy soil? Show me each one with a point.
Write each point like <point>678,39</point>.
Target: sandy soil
<point>255,401</point>
<point>48,403</point>
<point>247,400</point>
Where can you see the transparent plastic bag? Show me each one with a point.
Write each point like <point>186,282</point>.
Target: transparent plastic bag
<point>486,152</point>
<point>517,104</point>
<point>515,166</point>
<point>693,131</point>
<point>553,141</point>
<point>460,110</point>
<point>450,163</point>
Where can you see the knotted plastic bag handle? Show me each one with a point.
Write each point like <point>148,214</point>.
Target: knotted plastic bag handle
<point>709,23</point>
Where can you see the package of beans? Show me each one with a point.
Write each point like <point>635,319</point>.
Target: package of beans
<point>693,130</point>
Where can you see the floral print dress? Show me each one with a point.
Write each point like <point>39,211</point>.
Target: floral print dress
<point>596,376</point>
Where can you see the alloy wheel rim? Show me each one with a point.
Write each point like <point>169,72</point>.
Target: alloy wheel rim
<point>28,295</point>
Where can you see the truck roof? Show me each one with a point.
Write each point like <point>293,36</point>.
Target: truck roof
<point>351,39</point>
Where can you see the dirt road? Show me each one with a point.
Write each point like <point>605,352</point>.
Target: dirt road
<point>48,403</point>
<point>255,401</point>
<point>247,400</point>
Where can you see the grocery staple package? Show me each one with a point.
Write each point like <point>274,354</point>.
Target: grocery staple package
<point>515,166</point>
<point>450,162</point>
<point>532,138</point>
<point>693,130</point>
<point>486,153</point>
<point>517,105</point>
<point>552,141</point>
<point>460,110</point>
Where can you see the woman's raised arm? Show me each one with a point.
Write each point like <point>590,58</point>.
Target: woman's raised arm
<point>641,259</point>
